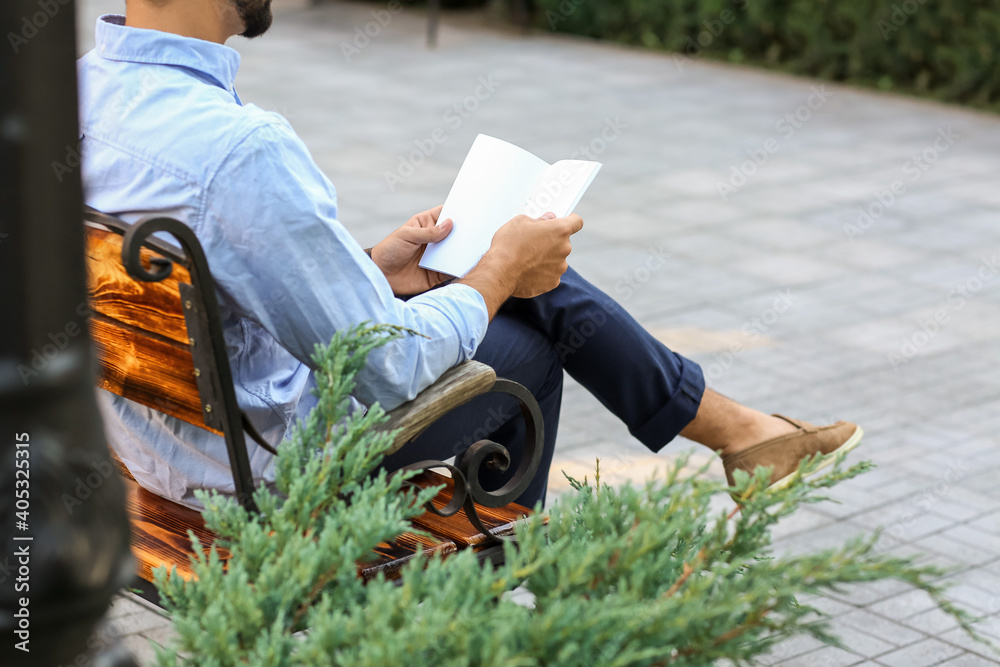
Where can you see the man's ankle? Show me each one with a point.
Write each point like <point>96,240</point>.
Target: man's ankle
<point>760,428</point>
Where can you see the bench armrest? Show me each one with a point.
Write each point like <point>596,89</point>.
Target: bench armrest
<point>457,386</point>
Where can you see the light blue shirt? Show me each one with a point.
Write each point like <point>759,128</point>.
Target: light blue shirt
<point>164,132</point>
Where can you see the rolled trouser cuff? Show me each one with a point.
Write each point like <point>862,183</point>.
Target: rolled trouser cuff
<point>679,411</point>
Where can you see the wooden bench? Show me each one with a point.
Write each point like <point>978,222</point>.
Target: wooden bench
<point>158,339</point>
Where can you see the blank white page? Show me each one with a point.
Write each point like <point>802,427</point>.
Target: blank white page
<point>492,187</point>
<point>561,188</point>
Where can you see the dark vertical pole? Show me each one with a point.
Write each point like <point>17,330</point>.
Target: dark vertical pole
<point>433,17</point>
<point>63,530</point>
<point>522,15</point>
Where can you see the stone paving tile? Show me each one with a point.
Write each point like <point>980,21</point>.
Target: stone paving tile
<point>859,294</point>
<point>139,622</point>
<point>932,622</point>
<point>977,501</point>
<point>989,627</point>
<point>122,606</point>
<point>960,640</point>
<point>826,605</point>
<point>924,557</point>
<point>988,522</point>
<point>975,537</point>
<point>959,551</point>
<point>863,643</point>
<point>968,660</point>
<point>976,599</point>
<point>879,626</point>
<point>829,656</point>
<point>903,606</point>
<point>921,654</point>
<point>141,649</point>
<point>803,521</point>
<point>793,647</point>
<point>829,536</point>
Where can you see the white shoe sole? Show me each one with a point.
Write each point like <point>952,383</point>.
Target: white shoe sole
<point>849,445</point>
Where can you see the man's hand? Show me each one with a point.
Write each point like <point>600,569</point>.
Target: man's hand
<point>527,258</point>
<point>538,249</point>
<point>398,255</point>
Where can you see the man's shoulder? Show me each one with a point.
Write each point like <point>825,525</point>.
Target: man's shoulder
<point>166,116</point>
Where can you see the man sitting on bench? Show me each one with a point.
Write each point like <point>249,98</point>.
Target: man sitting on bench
<point>165,132</point>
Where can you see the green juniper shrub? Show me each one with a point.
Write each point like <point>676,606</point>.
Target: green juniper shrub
<point>640,575</point>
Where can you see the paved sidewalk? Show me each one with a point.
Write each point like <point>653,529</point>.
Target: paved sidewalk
<point>750,220</point>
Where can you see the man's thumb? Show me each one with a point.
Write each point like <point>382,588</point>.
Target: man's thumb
<point>433,234</point>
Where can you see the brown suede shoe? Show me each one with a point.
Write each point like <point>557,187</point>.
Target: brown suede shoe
<point>785,452</point>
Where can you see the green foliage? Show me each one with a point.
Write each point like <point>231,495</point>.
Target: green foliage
<point>620,577</point>
<point>943,50</point>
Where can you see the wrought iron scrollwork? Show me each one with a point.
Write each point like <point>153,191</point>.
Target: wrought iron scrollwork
<point>468,491</point>
<point>458,496</point>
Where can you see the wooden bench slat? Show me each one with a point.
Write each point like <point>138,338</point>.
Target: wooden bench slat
<point>159,531</point>
<point>157,373</point>
<point>393,555</point>
<point>153,307</point>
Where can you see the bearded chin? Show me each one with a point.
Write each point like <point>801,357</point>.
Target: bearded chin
<point>256,15</point>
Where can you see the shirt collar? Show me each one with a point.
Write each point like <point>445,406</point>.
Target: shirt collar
<point>117,41</point>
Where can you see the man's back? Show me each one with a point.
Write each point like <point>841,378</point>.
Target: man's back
<point>154,139</point>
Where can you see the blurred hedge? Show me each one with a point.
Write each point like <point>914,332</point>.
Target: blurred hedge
<point>946,50</point>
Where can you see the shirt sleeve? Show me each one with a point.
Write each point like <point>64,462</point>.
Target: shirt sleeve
<point>280,258</point>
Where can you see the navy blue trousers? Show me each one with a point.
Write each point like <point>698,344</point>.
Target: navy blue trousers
<point>579,329</point>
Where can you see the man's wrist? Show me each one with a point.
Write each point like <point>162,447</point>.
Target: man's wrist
<point>491,278</point>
